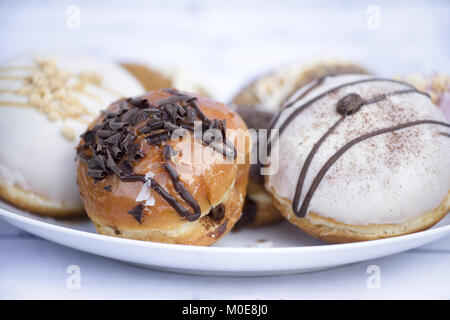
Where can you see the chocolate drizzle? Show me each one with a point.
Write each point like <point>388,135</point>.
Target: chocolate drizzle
<point>304,207</point>
<point>110,148</point>
<point>346,106</point>
<point>317,83</point>
<point>301,179</point>
<point>182,191</point>
<point>309,103</point>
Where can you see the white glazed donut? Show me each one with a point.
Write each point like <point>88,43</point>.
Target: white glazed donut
<point>46,102</point>
<point>258,102</point>
<point>361,157</point>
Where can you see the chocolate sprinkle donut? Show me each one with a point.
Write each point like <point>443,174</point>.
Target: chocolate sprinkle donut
<point>109,148</point>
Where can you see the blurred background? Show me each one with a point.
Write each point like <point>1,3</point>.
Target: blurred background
<point>227,43</point>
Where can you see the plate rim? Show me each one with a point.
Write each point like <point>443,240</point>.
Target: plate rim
<point>237,250</point>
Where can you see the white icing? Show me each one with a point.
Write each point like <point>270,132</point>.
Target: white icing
<point>12,177</point>
<point>273,88</point>
<point>33,146</point>
<point>445,104</point>
<point>385,179</point>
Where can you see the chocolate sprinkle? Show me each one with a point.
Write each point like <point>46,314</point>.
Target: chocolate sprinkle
<point>88,137</point>
<point>150,127</point>
<point>116,125</point>
<point>96,173</point>
<point>167,153</point>
<point>137,213</point>
<point>138,102</point>
<point>157,138</point>
<point>218,212</point>
<point>104,134</point>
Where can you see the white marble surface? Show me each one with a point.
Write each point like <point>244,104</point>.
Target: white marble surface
<point>226,44</point>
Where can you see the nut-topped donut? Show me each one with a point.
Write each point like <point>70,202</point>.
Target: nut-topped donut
<point>46,101</point>
<point>167,167</point>
<point>361,157</point>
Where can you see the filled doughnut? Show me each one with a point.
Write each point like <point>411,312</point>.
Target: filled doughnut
<point>360,157</point>
<point>148,169</point>
<point>46,101</point>
<point>257,103</point>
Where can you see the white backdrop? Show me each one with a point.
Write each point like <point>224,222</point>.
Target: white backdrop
<point>226,43</point>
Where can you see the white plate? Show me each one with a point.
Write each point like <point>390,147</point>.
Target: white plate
<point>277,249</point>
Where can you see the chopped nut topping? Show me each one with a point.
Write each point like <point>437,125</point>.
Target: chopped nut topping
<point>68,132</point>
<point>53,91</point>
<point>56,92</point>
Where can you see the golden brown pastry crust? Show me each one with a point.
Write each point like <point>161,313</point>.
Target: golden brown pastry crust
<point>153,79</point>
<point>330,230</point>
<point>35,203</point>
<point>149,78</point>
<point>203,232</point>
<point>223,182</point>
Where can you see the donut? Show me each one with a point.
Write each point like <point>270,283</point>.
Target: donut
<point>360,157</point>
<point>147,169</point>
<point>257,103</point>
<point>46,101</point>
<point>164,77</point>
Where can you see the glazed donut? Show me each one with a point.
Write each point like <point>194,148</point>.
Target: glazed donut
<point>257,103</point>
<point>165,77</point>
<point>138,181</point>
<point>361,158</point>
<point>46,102</point>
